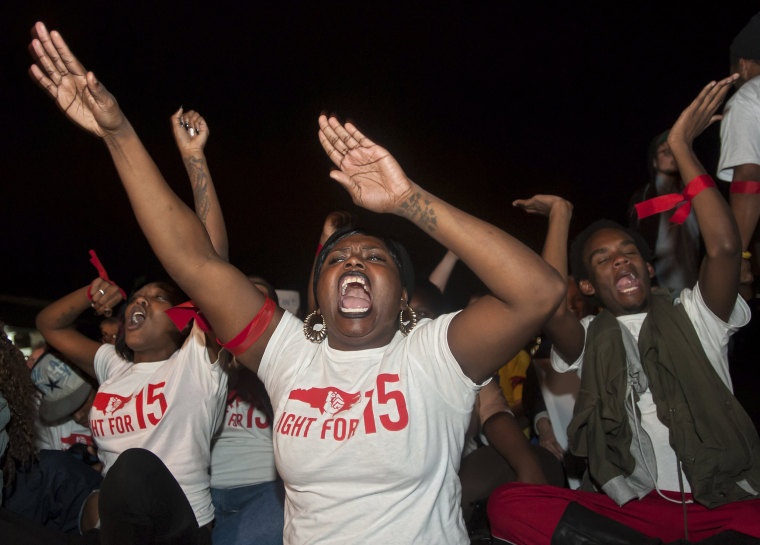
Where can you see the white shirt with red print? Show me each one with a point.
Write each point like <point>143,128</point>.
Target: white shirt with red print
<point>369,442</point>
<point>242,454</point>
<point>170,408</point>
<point>61,436</point>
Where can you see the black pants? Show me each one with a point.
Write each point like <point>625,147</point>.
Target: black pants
<point>141,502</point>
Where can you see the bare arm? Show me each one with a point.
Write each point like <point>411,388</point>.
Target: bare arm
<point>175,233</point>
<point>746,206</point>
<point>526,288</point>
<point>442,272</point>
<point>719,273</point>
<point>56,322</point>
<point>507,438</point>
<point>563,328</point>
<point>504,434</point>
<point>191,133</point>
<point>746,209</point>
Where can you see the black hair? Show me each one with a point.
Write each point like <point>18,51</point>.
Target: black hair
<point>432,296</point>
<point>578,265</point>
<point>654,144</point>
<point>746,44</point>
<point>18,389</point>
<point>396,250</point>
<point>175,295</point>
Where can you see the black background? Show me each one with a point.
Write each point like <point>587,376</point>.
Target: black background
<point>480,103</point>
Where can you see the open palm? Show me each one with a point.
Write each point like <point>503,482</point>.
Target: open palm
<point>78,94</point>
<point>368,171</point>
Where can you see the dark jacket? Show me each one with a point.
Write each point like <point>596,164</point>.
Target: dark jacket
<point>713,436</point>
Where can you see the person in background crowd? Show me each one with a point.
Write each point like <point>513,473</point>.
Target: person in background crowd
<point>740,142</point>
<point>671,453</point>
<point>676,246</point>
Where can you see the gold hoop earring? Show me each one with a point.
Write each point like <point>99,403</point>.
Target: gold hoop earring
<point>405,327</point>
<point>310,331</point>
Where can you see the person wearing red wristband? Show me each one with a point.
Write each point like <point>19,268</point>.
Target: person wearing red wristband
<point>671,453</point>
<point>675,247</point>
<point>371,407</point>
<point>740,142</point>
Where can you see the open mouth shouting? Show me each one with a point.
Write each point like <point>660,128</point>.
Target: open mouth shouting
<point>355,294</point>
<point>627,283</point>
<point>135,317</point>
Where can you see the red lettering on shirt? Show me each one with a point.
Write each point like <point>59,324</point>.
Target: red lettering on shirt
<point>391,409</point>
<point>149,407</point>
<point>96,426</point>
<point>77,438</point>
<point>295,426</point>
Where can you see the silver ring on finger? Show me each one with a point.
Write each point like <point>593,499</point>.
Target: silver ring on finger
<point>101,292</point>
<point>191,131</point>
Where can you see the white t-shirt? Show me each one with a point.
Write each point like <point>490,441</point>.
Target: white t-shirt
<point>740,130</point>
<point>241,454</point>
<point>369,442</point>
<point>61,436</point>
<point>713,334</point>
<point>170,408</point>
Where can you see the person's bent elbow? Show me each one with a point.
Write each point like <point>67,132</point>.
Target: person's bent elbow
<point>553,293</point>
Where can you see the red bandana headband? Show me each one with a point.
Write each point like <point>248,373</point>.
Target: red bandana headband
<point>667,202</point>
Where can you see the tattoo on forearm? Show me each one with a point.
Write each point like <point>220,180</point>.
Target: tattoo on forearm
<point>199,180</point>
<point>67,317</point>
<point>420,211</point>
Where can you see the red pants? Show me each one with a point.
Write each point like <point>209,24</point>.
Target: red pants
<point>527,514</point>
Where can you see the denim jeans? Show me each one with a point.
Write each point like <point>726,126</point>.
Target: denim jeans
<point>249,514</point>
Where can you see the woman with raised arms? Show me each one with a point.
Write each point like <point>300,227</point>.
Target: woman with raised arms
<point>370,412</point>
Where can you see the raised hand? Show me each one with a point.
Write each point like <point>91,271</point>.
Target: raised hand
<point>104,296</point>
<point>700,114</point>
<point>190,131</point>
<point>369,173</point>
<point>78,93</point>
<point>337,219</point>
<point>542,204</point>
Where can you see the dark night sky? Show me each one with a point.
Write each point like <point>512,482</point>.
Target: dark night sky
<point>481,104</point>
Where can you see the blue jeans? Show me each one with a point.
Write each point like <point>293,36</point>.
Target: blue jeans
<point>249,514</point>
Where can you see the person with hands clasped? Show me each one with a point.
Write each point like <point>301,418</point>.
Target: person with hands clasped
<point>671,453</point>
<point>370,411</point>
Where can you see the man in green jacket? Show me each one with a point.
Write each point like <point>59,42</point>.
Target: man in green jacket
<point>671,453</point>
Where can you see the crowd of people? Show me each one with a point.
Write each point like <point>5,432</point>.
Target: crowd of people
<point>592,407</point>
